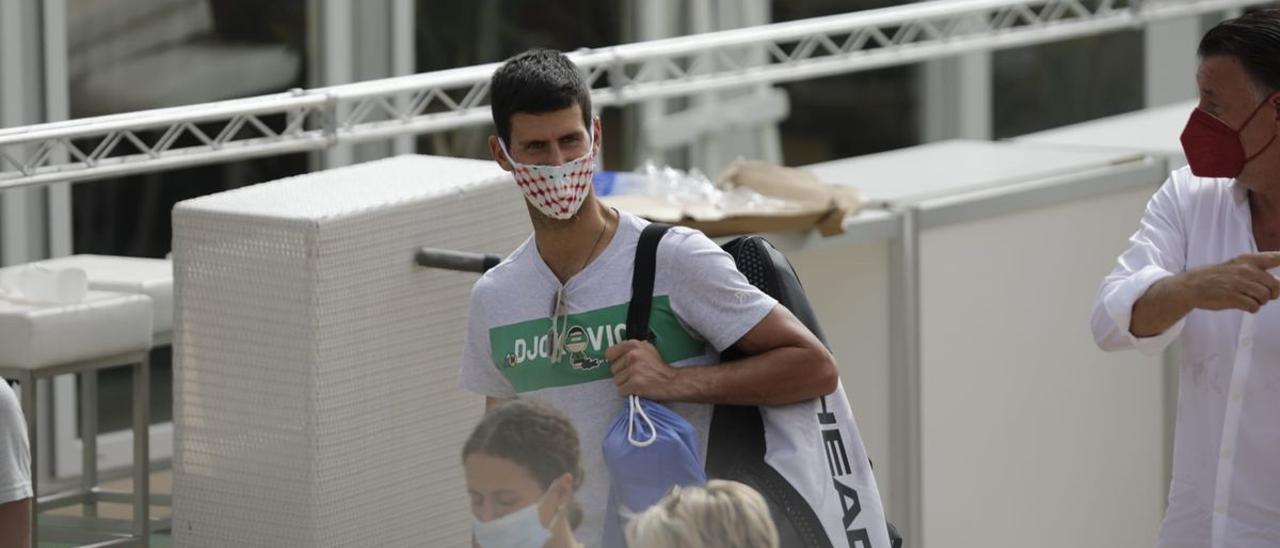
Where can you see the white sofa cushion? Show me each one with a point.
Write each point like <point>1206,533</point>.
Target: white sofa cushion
<point>150,277</point>
<point>36,335</point>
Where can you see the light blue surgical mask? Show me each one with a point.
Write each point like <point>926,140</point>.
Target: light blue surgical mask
<point>520,529</point>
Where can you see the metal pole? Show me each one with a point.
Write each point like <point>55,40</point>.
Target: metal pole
<point>1170,64</point>
<point>957,95</point>
<point>403,60</point>
<point>57,108</point>
<point>141,449</point>
<point>906,487</point>
<point>455,260</point>
<point>89,440</point>
<point>336,42</point>
<point>21,224</point>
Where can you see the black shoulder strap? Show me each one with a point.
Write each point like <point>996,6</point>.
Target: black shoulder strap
<point>642,281</point>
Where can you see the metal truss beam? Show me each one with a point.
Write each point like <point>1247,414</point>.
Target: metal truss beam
<point>109,146</point>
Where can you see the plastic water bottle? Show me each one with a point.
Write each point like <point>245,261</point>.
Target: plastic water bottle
<point>613,183</point>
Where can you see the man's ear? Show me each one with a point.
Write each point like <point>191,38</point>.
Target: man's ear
<point>495,150</point>
<point>598,128</point>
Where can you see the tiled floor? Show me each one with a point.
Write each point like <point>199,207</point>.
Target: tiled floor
<point>161,484</point>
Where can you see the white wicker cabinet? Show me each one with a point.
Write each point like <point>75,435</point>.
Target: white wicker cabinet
<point>316,400</point>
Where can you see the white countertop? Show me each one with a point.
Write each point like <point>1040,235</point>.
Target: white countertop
<point>948,168</point>
<point>349,190</point>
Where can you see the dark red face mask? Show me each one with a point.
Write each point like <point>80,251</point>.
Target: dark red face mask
<point>1213,148</point>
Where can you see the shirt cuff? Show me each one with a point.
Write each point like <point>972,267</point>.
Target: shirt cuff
<point>15,492</point>
<point>744,323</point>
<point>1120,303</point>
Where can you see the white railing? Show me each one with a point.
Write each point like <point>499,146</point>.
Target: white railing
<point>303,120</point>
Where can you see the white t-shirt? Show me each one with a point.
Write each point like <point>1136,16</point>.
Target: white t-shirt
<point>15,458</point>
<point>702,305</point>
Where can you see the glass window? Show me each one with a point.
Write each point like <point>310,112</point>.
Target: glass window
<point>129,55</point>
<point>851,114</point>
<point>455,34</point>
<point>1055,84</point>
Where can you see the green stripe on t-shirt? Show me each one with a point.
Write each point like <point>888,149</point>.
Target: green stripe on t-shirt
<point>522,353</point>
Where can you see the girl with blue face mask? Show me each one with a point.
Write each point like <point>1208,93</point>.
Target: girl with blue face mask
<point>523,465</point>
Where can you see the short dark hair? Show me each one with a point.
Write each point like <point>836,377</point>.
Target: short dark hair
<point>1254,39</point>
<point>538,438</point>
<point>534,82</point>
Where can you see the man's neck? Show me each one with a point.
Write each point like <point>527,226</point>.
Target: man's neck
<point>1265,208</point>
<point>567,246</point>
<point>1265,211</point>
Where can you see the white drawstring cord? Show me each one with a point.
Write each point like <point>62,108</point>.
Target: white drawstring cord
<point>556,336</point>
<point>636,409</point>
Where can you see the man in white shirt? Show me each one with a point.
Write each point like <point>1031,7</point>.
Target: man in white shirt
<point>570,280</point>
<point>1202,267</point>
<point>15,472</point>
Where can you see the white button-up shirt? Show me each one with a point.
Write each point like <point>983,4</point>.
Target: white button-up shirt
<point>1226,458</point>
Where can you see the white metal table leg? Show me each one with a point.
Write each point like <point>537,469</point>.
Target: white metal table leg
<point>89,441</point>
<point>141,450</point>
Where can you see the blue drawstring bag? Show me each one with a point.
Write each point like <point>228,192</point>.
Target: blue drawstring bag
<point>648,450</point>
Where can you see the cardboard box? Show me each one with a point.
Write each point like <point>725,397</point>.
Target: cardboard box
<point>810,203</point>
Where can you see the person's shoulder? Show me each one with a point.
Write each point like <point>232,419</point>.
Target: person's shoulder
<point>691,254</point>
<point>690,238</point>
<point>10,410</point>
<point>505,276</point>
<point>1190,189</point>
<point>680,242</point>
<point>630,223</point>
<point>1184,183</point>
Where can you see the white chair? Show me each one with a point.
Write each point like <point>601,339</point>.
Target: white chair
<point>136,275</point>
<point>41,341</point>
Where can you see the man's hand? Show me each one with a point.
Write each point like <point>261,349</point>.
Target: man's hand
<point>638,370</point>
<point>1242,283</point>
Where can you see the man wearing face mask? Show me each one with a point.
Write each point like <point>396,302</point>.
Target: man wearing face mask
<point>1203,267</point>
<point>547,324</point>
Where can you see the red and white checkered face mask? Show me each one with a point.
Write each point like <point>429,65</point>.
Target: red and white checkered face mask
<point>555,191</point>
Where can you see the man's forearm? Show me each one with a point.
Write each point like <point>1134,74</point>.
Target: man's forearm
<point>15,520</point>
<point>780,376</point>
<point>1164,303</point>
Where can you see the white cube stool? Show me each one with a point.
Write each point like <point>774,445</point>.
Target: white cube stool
<point>40,341</point>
